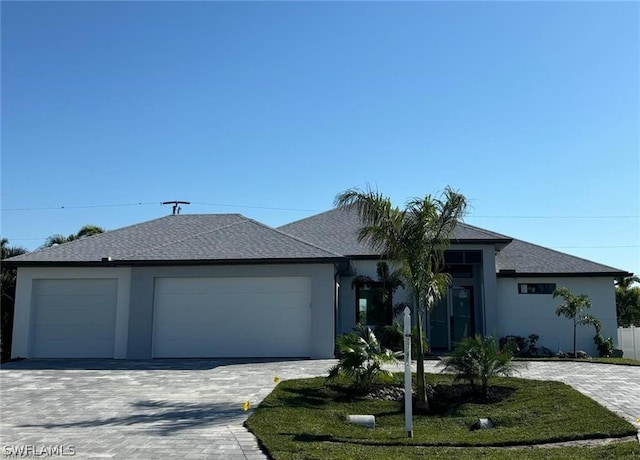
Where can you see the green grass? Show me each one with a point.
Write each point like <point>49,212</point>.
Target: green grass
<point>305,419</point>
<point>617,361</point>
<point>319,451</point>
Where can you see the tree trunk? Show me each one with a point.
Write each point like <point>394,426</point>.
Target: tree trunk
<point>575,352</point>
<point>422,403</point>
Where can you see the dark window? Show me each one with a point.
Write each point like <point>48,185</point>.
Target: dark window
<point>536,288</point>
<point>459,271</point>
<point>453,256</point>
<point>473,257</point>
<point>373,305</point>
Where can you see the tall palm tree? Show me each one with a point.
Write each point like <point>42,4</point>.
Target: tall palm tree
<point>86,230</point>
<point>416,238</point>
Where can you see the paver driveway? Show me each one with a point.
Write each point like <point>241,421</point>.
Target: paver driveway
<point>193,408</point>
<point>139,409</point>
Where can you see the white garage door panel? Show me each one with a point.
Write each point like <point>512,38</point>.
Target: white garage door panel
<point>73,318</point>
<point>232,317</point>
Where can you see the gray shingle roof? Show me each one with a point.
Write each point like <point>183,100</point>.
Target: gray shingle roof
<point>182,238</point>
<point>527,258</point>
<point>337,230</point>
<point>329,235</point>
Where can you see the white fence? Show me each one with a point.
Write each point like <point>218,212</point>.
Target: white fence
<point>629,342</point>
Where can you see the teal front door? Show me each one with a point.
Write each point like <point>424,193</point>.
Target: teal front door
<point>461,313</point>
<point>452,319</point>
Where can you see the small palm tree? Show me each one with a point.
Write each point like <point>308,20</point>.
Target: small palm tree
<point>361,358</point>
<point>416,238</point>
<point>573,308</point>
<point>85,231</point>
<point>477,359</point>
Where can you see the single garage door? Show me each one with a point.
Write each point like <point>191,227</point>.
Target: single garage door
<point>232,317</point>
<point>73,318</point>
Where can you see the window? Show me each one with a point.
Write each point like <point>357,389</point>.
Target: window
<point>459,271</point>
<point>473,257</point>
<point>373,305</point>
<point>453,256</point>
<point>536,288</point>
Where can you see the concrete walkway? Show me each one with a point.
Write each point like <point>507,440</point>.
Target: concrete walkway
<point>192,409</point>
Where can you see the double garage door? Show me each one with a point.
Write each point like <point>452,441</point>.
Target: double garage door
<point>192,317</point>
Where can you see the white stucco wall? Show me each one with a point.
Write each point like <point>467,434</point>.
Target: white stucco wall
<point>524,314</point>
<point>135,297</point>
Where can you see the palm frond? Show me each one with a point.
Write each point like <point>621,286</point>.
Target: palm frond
<point>11,251</point>
<point>57,239</point>
<point>89,230</point>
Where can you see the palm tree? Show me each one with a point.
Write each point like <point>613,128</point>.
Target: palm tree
<point>87,230</point>
<point>9,274</point>
<point>478,359</point>
<point>415,238</point>
<point>7,294</point>
<point>627,281</point>
<point>10,251</point>
<point>573,308</point>
<point>628,302</point>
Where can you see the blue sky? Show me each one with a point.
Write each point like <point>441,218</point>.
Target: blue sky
<point>270,109</point>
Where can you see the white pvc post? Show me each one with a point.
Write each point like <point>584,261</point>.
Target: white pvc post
<point>366,420</point>
<point>408,409</point>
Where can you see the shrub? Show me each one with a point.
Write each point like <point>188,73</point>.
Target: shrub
<point>577,355</point>
<point>532,349</point>
<point>392,337</point>
<point>360,358</point>
<point>520,346</point>
<point>477,359</point>
<point>605,346</point>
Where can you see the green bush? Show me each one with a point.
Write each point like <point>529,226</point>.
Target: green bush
<point>477,359</point>
<point>521,347</point>
<point>605,346</point>
<point>392,337</point>
<point>360,358</point>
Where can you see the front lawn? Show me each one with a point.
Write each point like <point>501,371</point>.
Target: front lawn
<point>616,361</point>
<point>305,419</point>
